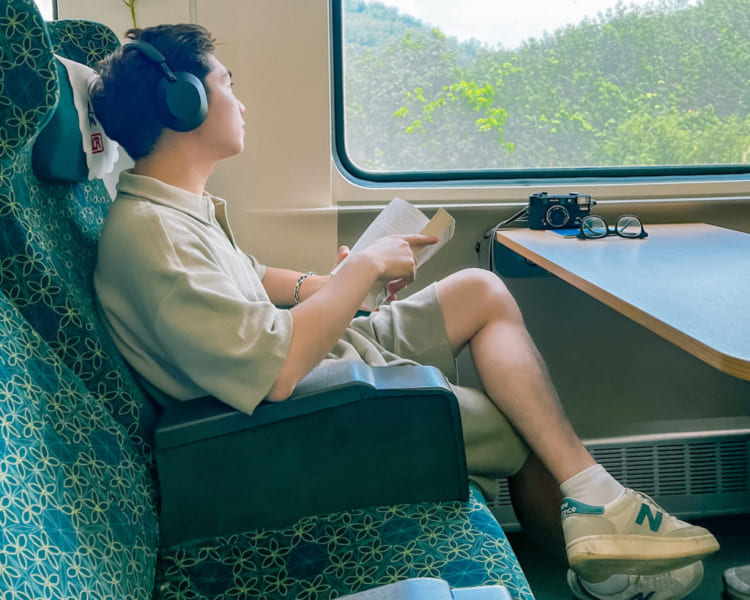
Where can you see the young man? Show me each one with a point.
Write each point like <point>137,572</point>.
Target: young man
<point>196,316</point>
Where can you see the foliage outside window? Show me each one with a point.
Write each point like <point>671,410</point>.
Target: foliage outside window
<point>666,84</point>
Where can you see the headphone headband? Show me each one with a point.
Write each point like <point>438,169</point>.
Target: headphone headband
<point>151,53</point>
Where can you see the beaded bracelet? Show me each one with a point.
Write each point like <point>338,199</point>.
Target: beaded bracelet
<point>297,286</point>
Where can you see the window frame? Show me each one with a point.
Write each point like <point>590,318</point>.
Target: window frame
<point>580,176</point>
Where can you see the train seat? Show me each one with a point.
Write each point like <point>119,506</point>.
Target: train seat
<point>79,487</point>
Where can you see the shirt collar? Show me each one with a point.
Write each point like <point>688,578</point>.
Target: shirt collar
<point>198,206</point>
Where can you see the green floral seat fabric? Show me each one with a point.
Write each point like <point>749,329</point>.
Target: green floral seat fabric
<point>85,42</point>
<point>76,520</point>
<point>78,495</point>
<point>49,230</point>
<point>328,556</point>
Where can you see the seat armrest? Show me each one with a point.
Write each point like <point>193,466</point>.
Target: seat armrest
<point>350,436</point>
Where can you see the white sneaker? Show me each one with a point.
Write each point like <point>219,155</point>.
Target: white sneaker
<point>631,535</point>
<point>737,582</point>
<point>671,585</point>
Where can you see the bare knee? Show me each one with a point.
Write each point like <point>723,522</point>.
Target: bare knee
<point>471,299</point>
<point>484,293</point>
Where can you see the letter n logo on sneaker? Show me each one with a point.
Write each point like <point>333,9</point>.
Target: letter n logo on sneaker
<point>654,520</point>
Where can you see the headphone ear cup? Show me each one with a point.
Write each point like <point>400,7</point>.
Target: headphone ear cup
<point>183,104</point>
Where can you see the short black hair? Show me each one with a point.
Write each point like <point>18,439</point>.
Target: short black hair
<point>124,96</point>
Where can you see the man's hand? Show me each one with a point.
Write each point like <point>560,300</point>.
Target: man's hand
<point>395,256</point>
<point>394,287</point>
<point>343,252</point>
<point>415,244</point>
<point>322,319</point>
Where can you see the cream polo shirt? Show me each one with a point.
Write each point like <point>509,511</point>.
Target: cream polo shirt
<point>187,309</point>
<point>185,306</point>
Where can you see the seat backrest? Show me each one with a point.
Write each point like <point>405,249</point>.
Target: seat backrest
<point>49,230</point>
<point>77,517</point>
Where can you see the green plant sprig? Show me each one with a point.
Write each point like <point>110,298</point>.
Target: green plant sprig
<point>131,5</point>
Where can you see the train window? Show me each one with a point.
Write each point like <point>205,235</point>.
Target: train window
<point>48,8</point>
<point>473,89</point>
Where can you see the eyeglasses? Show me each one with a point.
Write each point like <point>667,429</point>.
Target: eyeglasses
<point>627,226</point>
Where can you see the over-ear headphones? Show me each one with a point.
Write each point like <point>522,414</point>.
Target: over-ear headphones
<point>182,103</point>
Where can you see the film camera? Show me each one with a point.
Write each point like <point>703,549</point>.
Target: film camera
<point>555,211</point>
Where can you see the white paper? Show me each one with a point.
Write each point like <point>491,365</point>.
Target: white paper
<point>400,217</point>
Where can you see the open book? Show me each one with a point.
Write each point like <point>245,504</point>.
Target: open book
<point>428,588</point>
<point>402,218</point>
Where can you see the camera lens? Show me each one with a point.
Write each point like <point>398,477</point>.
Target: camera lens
<point>557,216</point>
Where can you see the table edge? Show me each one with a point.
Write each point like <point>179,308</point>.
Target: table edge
<point>726,363</point>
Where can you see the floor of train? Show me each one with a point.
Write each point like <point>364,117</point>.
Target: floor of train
<point>547,576</point>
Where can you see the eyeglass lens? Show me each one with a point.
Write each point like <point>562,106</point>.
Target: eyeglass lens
<point>628,226</point>
<point>594,227</point>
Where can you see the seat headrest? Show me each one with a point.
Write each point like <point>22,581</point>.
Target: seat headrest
<point>72,146</point>
<point>58,151</point>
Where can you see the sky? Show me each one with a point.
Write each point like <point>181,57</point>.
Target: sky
<point>45,7</point>
<point>508,22</point>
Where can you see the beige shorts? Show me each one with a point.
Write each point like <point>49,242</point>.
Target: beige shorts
<point>413,331</point>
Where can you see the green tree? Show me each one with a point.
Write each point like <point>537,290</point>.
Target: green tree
<point>665,83</point>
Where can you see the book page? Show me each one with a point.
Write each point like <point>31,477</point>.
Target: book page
<point>400,217</point>
<point>442,226</point>
<point>397,218</point>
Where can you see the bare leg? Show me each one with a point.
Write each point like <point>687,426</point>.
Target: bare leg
<point>479,311</point>
<point>536,499</point>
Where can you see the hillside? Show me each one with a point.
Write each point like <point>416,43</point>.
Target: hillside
<point>662,84</point>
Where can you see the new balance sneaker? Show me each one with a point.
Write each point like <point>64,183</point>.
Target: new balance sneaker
<point>631,535</point>
<point>737,582</point>
<point>671,585</point>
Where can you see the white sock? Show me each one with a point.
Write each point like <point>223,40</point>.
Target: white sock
<point>611,585</point>
<point>592,486</point>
